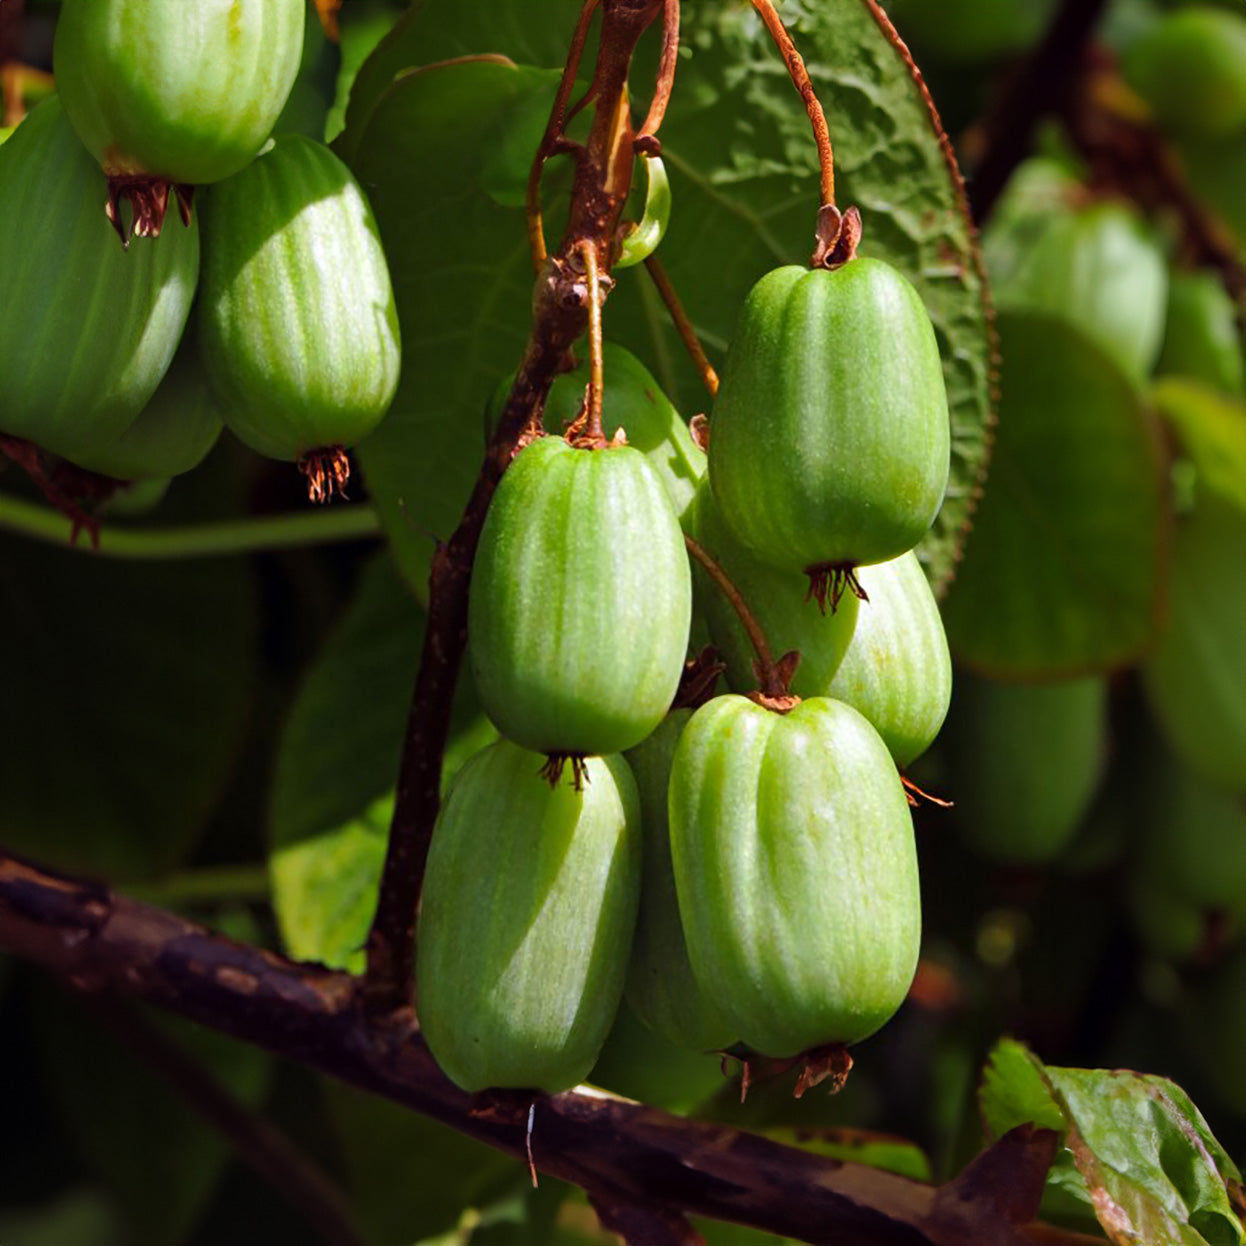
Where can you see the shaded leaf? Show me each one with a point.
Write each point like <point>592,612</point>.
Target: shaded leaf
<point>408,1176</point>
<point>1147,1160</point>
<point>1063,572</point>
<point>337,764</point>
<point>859,1146</point>
<point>1211,430</point>
<point>158,1158</point>
<point>744,186</point>
<point>462,278</point>
<point>127,689</point>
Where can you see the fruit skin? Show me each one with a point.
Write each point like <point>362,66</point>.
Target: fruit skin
<point>897,669</point>
<point>1201,338</point>
<point>183,92</point>
<point>779,600</point>
<point>829,438</point>
<point>796,871</point>
<point>580,600</point>
<point>633,401</point>
<point>1024,762</point>
<point>174,431</point>
<point>661,987</point>
<point>86,330</point>
<point>526,919</point>
<point>1195,678</point>
<point>297,321</point>
<point>1190,67</point>
<point>1097,267</point>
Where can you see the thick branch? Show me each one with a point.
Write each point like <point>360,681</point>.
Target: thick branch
<point>560,315</point>
<point>623,1153</point>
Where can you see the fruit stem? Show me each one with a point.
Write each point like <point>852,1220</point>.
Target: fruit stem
<point>687,334</point>
<point>774,676</point>
<point>646,140</point>
<point>553,140</point>
<point>800,78</point>
<point>239,536</point>
<point>593,434</point>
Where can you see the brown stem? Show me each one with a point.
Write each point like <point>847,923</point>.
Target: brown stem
<point>1036,91</point>
<point>687,334</point>
<point>773,675</point>
<point>560,316</point>
<point>553,136</point>
<point>622,1152</point>
<point>800,78</point>
<point>257,1142</point>
<point>596,369</point>
<point>646,137</point>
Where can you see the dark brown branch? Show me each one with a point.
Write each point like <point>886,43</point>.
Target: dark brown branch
<point>1038,89</point>
<point>624,1153</point>
<point>560,315</point>
<point>256,1141</point>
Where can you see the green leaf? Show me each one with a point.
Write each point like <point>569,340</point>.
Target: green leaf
<point>459,258</point>
<point>1211,430</point>
<point>337,765</point>
<point>744,178</point>
<point>1148,1161</point>
<point>159,1160</point>
<point>427,34</point>
<point>1064,570</point>
<point>83,1217</point>
<point>126,695</point>
<point>335,772</point>
<point>744,187</point>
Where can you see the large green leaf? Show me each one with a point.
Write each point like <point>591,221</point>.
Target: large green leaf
<point>336,768</point>
<point>1063,572</point>
<point>435,161</point>
<point>744,174</point>
<point>744,185</point>
<point>1138,1149</point>
<point>126,694</point>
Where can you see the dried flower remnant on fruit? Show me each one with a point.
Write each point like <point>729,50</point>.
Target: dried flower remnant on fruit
<point>327,472</point>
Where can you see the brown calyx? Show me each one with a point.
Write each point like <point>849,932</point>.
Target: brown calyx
<point>776,703</point>
<point>328,473</point>
<point>829,581</point>
<point>837,236</point>
<point>148,197</point>
<point>830,1063</point>
<point>551,772</point>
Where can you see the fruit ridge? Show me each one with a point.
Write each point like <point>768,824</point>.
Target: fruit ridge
<point>580,600</point>
<point>796,871</point>
<point>830,434</point>
<point>527,913</point>
<point>87,330</point>
<point>184,92</point>
<point>297,319</point>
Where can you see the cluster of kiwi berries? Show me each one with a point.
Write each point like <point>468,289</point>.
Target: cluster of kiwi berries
<point>266,307</point>
<point>746,872</point>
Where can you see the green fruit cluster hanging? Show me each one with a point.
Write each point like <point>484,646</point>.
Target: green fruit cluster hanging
<point>779,911</point>
<point>294,345</point>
